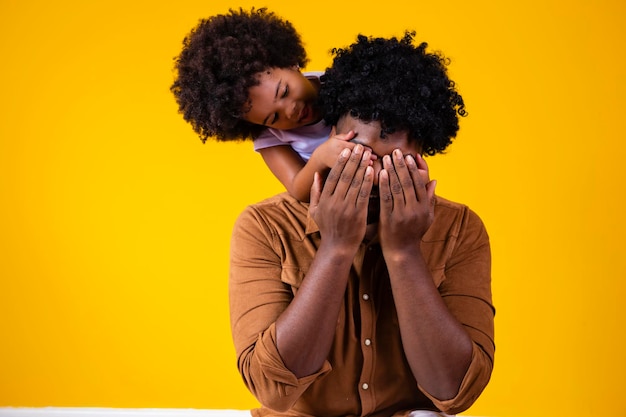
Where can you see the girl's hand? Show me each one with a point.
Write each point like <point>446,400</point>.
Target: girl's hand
<point>326,154</point>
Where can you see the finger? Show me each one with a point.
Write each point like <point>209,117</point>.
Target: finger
<point>384,194</point>
<point>349,171</point>
<point>405,175</point>
<point>335,173</point>
<point>346,136</point>
<point>430,187</point>
<point>421,190</point>
<point>422,166</point>
<point>416,177</point>
<point>358,179</point>
<point>431,195</point>
<point>316,191</point>
<point>394,182</point>
<point>421,162</point>
<point>366,189</point>
<point>349,145</point>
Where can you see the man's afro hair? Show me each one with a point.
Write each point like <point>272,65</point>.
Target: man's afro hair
<point>218,63</point>
<point>400,85</point>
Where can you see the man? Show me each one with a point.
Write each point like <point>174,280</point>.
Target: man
<point>374,299</point>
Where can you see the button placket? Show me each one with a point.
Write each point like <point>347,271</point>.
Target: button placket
<point>368,328</point>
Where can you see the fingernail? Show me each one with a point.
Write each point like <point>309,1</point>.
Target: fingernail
<point>345,153</point>
<point>358,148</point>
<point>397,153</point>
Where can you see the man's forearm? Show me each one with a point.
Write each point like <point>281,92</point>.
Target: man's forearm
<point>306,329</point>
<point>437,347</point>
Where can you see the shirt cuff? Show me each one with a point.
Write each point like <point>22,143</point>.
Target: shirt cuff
<point>274,369</point>
<point>474,381</point>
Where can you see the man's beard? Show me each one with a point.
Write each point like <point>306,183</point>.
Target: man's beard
<point>373,208</point>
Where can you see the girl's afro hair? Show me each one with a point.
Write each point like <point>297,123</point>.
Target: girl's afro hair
<point>400,85</point>
<point>218,63</point>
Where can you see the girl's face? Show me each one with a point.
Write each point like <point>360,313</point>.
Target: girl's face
<point>284,99</point>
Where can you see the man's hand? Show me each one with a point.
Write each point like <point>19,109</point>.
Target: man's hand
<point>340,208</point>
<point>437,347</point>
<point>406,202</point>
<point>305,330</point>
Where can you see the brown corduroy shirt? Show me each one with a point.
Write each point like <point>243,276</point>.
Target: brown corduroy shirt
<point>366,373</point>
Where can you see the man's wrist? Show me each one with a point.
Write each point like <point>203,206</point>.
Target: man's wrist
<point>403,254</point>
<point>336,252</point>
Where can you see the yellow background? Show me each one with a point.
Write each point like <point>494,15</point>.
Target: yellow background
<point>115,220</point>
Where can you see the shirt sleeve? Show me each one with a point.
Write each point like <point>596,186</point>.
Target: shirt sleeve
<point>267,139</point>
<point>257,298</point>
<point>466,290</point>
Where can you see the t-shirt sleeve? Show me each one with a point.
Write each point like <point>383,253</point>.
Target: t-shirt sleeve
<point>267,139</point>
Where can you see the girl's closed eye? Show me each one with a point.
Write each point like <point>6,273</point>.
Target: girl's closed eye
<point>286,92</point>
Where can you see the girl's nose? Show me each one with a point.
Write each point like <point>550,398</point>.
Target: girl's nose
<point>291,110</point>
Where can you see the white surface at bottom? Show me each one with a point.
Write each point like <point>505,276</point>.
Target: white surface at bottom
<point>138,412</point>
<point>118,412</point>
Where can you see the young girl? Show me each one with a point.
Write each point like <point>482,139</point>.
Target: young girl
<point>238,77</point>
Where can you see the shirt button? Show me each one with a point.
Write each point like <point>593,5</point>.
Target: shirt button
<point>365,385</point>
<point>368,342</point>
<point>366,297</point>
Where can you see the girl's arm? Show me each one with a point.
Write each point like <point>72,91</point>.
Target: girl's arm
<point>288,167</point>
<point>296,174</point>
